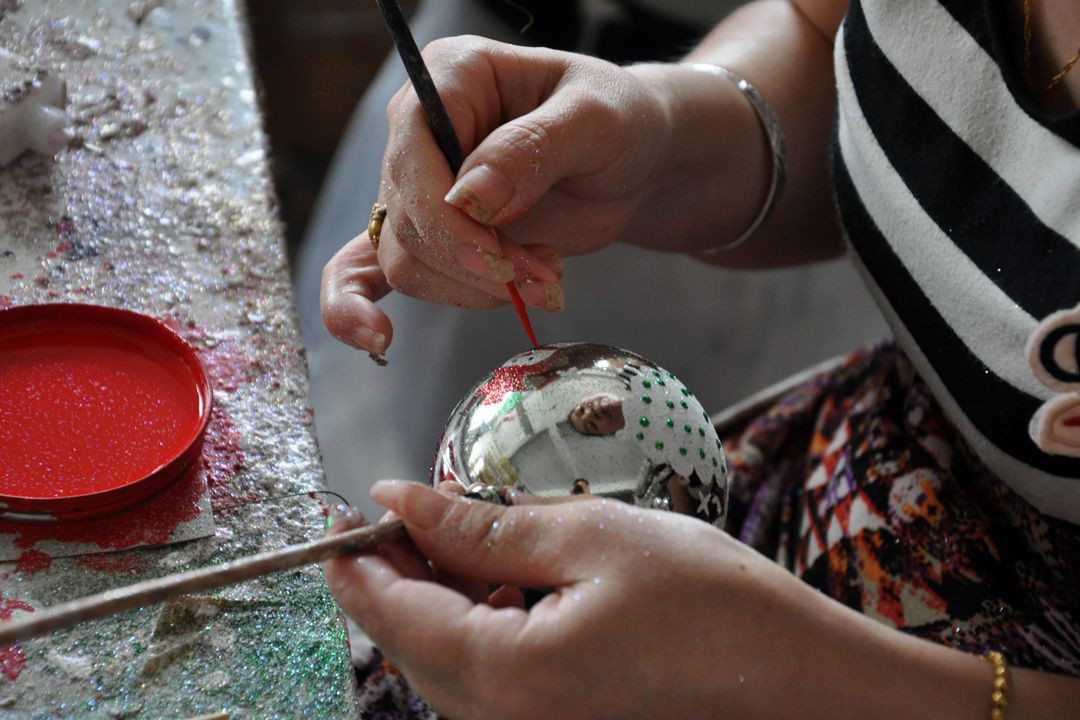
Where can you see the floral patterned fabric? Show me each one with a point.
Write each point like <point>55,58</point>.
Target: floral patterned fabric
<point>858,484</point>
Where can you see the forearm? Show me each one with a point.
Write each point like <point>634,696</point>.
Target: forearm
<point>874,672</point>
<point>717,171</point>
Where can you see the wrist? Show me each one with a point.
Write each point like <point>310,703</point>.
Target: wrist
<point>716,171</point>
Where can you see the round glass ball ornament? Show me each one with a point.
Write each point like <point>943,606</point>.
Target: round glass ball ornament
<point>578,418</point>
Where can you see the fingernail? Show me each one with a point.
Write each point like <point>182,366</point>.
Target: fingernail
<point>552,261</point>
<point>368,339</point>
<point>484,264</point>
<point>417,504</point>
<point>344,517</point>
<point>481,193</point>
<point>546,295</point>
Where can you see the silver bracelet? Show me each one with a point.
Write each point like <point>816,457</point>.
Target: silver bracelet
<point>771,124</point>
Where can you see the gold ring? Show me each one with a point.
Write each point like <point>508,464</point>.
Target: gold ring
<point>374,226</point>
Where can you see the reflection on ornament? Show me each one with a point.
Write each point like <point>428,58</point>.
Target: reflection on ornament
<point>583,418</point>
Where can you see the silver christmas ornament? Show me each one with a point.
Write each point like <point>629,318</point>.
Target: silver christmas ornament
<point>577,417</point>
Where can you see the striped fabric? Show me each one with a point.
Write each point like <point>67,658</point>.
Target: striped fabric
<point>961,201</point>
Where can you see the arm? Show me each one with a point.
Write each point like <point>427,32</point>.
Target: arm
<point>717,173</point>
<point>567,154</point>
<point>652,615</point>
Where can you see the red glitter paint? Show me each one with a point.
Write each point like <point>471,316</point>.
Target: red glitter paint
<point>222,458</point>
<point>32,561</point>
<point>86,411</point>
<point>12,657</point>
<point>506,380</point>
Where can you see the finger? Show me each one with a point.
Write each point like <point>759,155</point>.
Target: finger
<point>428,630</point>
<point>571,130</point>
<point>410,273</point>
<point>527,546</point>
<point>406,559</point>
<point>549,256</point>
<point>441,235</point>
<point>351,283</point>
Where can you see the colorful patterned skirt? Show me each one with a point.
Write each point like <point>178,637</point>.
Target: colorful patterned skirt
<point>856,482</point>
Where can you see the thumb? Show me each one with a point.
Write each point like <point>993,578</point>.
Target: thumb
<point>527,546</point>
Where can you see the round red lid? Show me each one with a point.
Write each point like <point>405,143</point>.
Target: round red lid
<point>100,408</point>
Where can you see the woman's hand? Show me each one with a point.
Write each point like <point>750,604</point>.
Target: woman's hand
<point>652,614</point>
<point>560,148</point>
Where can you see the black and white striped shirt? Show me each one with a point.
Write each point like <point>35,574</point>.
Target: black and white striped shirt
<point>961,201</point>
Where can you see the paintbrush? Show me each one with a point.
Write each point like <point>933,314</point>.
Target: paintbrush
<point>438,118</point>
<point>151,592</point>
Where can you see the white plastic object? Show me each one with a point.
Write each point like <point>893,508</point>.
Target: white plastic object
<point>32,113</point>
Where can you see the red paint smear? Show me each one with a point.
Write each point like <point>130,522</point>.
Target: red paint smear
<point>227,364</point>
<point>17,276</point>
<point>1072,422</point>
<point>12,661</point>
<point>86,412</point>
<point>12,657</point>
<point>112,562</point>
<point>222,458</point>
<point>8,608</point>
<point>522,313</point>
<point>33,561</point>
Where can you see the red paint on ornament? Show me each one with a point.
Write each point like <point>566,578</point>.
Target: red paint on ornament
<point>33,561</point>
<point>6,302</point>
<point>17,276</point>
<point>505,380</point>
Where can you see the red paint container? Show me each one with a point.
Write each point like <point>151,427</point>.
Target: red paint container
<point>100,408</point>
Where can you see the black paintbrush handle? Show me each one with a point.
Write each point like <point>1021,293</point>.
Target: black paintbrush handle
<point>437,117</point>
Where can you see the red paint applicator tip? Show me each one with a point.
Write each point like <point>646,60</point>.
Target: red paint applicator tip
<point>522,313</point>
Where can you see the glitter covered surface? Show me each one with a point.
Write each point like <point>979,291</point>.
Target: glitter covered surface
<point>163,205</point>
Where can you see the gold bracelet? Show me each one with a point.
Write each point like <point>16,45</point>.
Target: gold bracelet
<point>999,696</point>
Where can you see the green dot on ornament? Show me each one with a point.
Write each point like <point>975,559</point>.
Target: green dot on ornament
<point>641,436</point>
<point>660,382</point>
<point>671,375</point>
<point>701,454</point>
<point>684,391</point>
<point>644,421</point>
<point>659,445</point>
<point>646,383</point>
<point>714,463</point>
<point>669,422</point>
<point>682,451</point>
<point>670,404</point>
<point>683,403</point>
<point>701,432</point>
<point>646,399</point>
<point>686,428</point>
